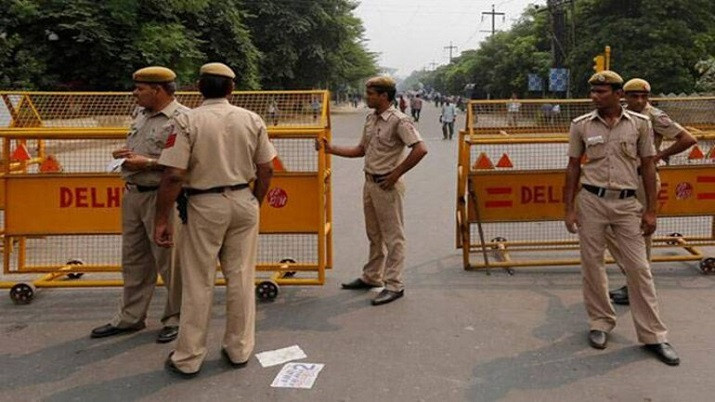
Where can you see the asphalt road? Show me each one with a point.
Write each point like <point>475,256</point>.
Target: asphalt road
<point>456,336</point>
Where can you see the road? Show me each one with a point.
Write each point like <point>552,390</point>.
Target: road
<point>455,336</point>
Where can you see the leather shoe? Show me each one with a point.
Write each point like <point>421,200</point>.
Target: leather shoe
<point>233,364</point>
<point>387,296</point>
<point>620,296</point>
<point>358,284</point>
<point>168,334</point>
<point>665,352</point>
<point>111,330</point>
<point>597,339</point>
<point>171,367</point>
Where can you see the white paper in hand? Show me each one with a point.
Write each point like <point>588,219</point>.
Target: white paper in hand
<point>297,375</point>
<point>280,356</point>
<point>115,164</point>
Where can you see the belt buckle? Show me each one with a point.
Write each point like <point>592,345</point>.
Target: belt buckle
<point>612,194</point>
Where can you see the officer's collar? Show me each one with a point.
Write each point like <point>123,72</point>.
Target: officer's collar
<point>167,111</point>
<point>596,115</point>
<point>386,114</point>
<point>216,101</point>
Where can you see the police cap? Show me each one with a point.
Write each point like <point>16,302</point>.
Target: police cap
<point>637,85</point>
<point>382,82</point>
<point>218,69</point>
<point>154,75</point>
<point>605,77</point>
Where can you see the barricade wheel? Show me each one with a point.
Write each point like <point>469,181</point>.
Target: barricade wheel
<point>22,293</point>
<point>674,242</point>
<point>288,274</point>
<point>707,266</point>
<point>75,275</point>
<point>267,291</point>
<point>498,239</point>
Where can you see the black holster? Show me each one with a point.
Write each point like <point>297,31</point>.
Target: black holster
<point>182,205</point>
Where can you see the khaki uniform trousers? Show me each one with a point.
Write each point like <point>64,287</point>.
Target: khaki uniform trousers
<point>611,243</point>
<point>142,260</point>
<point>623,217</point>
<point>224,227</point>
<point>384,224</point>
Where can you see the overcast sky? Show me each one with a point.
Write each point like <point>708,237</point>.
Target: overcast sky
<point>411,34</point>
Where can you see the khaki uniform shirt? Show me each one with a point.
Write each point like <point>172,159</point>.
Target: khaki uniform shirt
<point>218,144</point>
<point>663,125</point>
<point>384,138</point>
<point>147,137</point>
<point>613,153</point>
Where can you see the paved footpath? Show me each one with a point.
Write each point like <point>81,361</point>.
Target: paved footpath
<point>456,336</point>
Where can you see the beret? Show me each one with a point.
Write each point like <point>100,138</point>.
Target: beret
<point>218,69</point>
<point>154,74</point>
<point>637,85</point>
<point>605,77</point>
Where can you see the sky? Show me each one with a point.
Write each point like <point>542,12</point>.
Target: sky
<point>409,35</point>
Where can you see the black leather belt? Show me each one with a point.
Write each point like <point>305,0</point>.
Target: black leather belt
<point>141,189</point>
<point>601,191</point>
<point>376,177</point>
<point>215,190</point>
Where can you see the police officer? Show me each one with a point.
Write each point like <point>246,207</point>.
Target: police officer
<point>614,139</point>
<point>142,259</point>
<point>215,151</point>
<point>386,134</point>
<point>637,92</point>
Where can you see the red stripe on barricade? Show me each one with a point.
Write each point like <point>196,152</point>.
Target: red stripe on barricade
<point>498,204</point>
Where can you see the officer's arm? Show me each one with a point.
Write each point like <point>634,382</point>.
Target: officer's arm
<point>648,173</point>
<point>573,173</point>
<point>683,141</point>
<point>357,151</point>
<point>418,151</point>
<point>264,173</point>
<point>169,188</point>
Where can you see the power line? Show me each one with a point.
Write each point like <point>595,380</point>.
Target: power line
<point>450,47</point>
<point>493,14</point>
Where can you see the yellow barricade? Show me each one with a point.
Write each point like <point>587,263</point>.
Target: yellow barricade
<point>510,203</point>
<point>553,116</point>
<point>62,210</point>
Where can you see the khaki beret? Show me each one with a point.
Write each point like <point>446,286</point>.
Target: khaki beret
<point>382,82</point>
<point>637,85</point>
<point>605,77</point>
<point>219,69</point>
<point>154,74</point>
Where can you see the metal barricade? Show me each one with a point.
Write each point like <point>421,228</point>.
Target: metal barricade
<point>62,210</point>
<point>510,199</point>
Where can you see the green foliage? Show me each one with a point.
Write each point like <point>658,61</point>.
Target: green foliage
<point>661,41</point>
<point>87,44</point>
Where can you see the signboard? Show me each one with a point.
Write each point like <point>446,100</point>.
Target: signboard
<point>91,204</point>
<point>538,195</point>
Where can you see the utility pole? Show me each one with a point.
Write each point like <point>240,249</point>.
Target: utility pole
<point>493,14</point>
<point>450,47</point>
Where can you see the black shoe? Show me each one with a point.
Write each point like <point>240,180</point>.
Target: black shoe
<point>171,367</point>
<point>387,296</point>
<point>168,334</point>
<point>597,339</point>
<point>358,284</point>
<point>111,330</point>
<point>665,352</point>
<point>233,364</point>
<point>619,296</point>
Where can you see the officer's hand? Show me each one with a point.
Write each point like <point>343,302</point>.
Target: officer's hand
<point>322,142</point>
<point>571,222</point>
<point>137,162</point>
<point>122,153</point>
<point>163,235</point>
<point>648,223</point>
<point>388,182</point>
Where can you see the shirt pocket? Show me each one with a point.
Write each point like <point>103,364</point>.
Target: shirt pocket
<point>595,148</point>
<point>629,146</point>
